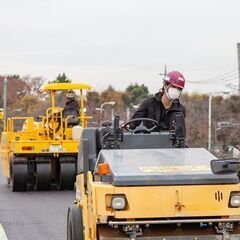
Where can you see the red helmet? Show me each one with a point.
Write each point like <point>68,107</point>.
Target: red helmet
<point>175,78</point>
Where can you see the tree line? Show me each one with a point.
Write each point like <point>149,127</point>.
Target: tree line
<point>25,95</point>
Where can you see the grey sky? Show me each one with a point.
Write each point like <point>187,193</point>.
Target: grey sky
<point>119,42</point>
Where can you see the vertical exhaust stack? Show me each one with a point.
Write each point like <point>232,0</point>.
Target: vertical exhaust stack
<point>5,85</point>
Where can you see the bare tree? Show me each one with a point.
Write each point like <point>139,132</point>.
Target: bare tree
<point>34,84</point>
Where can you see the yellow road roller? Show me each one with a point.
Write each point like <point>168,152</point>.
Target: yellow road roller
<point>147,185</point>
<point>41,154</point>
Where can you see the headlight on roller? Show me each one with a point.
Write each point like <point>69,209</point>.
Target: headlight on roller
<point>234,200</point>
<point>118,202</point>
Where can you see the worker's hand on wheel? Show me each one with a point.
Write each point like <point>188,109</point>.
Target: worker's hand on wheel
<point>126,127</point>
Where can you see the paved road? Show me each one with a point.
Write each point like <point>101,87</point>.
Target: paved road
<point>34,215</point>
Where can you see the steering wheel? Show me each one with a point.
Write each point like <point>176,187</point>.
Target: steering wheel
<point>108,141</point>
<point>141,128</point>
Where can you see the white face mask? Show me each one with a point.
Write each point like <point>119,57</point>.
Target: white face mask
<point>173,93</point>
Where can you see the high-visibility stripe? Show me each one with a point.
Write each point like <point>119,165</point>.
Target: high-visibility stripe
<point>3,235</point>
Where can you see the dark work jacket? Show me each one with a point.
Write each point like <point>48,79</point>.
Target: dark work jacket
<point>153,108</point>
<point>71,108</point>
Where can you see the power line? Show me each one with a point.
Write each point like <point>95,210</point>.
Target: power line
<point>226,79</point>
<point>222,75</point>
<point>231,78</point>
<point>220,81</point>
<point>218,77</point>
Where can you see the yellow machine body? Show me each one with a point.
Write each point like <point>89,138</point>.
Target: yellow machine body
<point>49,138</point>
<point>1,114</point>
<point>152,203</point>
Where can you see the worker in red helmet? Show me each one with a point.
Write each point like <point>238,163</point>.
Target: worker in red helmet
<point>162,104</point>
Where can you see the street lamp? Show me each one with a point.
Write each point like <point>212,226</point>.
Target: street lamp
<point>99,118</point>
<point>111,104</point>
<point>210,115</point>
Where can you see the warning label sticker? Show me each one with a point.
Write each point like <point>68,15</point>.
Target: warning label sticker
<point>192,168</point>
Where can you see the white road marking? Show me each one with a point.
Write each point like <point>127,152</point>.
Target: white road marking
<point>3,235</point>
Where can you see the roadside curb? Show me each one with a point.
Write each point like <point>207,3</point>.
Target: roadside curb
<point>3,235</point>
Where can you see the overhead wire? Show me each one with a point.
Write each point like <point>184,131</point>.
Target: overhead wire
<point>220,76</point>
<point>228,76</point>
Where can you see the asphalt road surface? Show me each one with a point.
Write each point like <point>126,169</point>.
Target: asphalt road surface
<point>34,215</point>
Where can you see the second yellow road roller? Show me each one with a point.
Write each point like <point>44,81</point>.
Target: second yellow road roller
<point>42,155</point>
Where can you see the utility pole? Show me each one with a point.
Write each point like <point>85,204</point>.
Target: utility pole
<point>165,71</point>
<point>210,120</point>
<point>5,83</point>
<point>238,50</point>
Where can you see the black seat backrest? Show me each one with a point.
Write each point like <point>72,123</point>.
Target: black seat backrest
<point>91,135</point>
<point>147,141</point>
